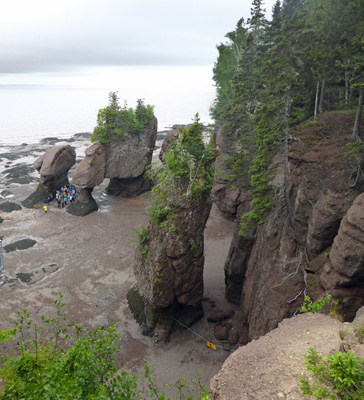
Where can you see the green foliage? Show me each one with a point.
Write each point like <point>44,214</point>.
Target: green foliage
<point>343,333</point>
<point>186,173</point>
<point>359,332</point>
<point>314,307</point>
<point>6,335</point>
<point>114,122</point>
<point>354,149</point>
<point>142,234</point>
<point>271,75</point>
<point>340,376</point>
<point>335,310</point>
<point>143,239</point>
<point>59,360</point>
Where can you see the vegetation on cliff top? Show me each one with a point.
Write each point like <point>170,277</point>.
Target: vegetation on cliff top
<point>114,122</point>
<point>187,172</point>
<point>271,75</point>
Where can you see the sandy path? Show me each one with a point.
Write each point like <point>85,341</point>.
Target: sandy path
<point>90,260</point>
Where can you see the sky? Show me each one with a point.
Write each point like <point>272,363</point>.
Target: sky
<point>87,41</point>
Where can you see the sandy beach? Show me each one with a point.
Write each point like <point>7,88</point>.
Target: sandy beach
<point>90,260</point>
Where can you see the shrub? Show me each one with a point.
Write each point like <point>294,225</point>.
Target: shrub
<point>59,360</point>
<point>343,333</point>
<point>359,332</point>
<point>340,376</point>
<point>314,307</point>
<point>142,234</point>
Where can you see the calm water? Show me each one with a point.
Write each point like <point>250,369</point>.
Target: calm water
<point>28,114</point>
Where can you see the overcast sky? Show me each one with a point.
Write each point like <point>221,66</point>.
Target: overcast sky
<point>70,36</point>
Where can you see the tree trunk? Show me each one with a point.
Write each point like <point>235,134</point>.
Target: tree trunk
<point>346,89</point>
<point>316,100</point>
<point>356,131</point>
<point>322,96</point>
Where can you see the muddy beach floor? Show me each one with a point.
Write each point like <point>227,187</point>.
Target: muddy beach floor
<point>90,260</point>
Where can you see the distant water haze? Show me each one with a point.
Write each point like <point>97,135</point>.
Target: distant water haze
<point>35,107</point>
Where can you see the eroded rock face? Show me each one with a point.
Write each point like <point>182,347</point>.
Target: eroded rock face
<point>53,167</point>
<point>343,272</point>
<point>123,161</point>
<point>169,268</point>
<point>269,272</point>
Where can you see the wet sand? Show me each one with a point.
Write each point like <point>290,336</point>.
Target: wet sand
<point>90,260</point>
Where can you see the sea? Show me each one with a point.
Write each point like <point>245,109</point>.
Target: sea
<point>29,113</point>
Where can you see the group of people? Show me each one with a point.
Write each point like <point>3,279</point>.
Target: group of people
<point>63,195</point>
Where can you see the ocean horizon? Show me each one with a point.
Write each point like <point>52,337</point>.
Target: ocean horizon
<point>29,113</point>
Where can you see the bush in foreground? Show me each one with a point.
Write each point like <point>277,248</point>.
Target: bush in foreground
<point>60,360</point>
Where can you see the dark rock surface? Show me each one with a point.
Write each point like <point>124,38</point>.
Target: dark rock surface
<point>9,206</point>
<point>20,245</point>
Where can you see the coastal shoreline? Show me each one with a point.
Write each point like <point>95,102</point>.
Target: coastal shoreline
<point>90,260</point>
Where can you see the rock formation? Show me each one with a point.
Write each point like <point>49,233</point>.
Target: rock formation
<point>169,272</point>
<point>123,161</point>
<point>169,259</point>
<point>53,167</point>
<point>171,135</point>
<point>269,272</point>
<point>343,272</point>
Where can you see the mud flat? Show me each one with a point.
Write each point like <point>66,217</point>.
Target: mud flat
<point>90,260</point>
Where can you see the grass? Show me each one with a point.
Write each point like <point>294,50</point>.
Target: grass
<point>359,332</point>
<point>343,333</point>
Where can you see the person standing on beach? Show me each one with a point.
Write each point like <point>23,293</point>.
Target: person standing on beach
<point>45,209</point>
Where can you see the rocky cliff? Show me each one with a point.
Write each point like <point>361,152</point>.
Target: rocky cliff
<point>169,260</point>
<point>268,273</point>
<point>169,268</point>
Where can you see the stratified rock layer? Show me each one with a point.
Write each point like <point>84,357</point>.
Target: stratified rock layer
<point>269,272</point>
<point>53,167</point>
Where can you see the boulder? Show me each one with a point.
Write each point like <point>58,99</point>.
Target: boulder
<point>10,206</point>
<point>53,167</point>
<point>216,315</point>
<point>20,245</point>
<point>221,332</point>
